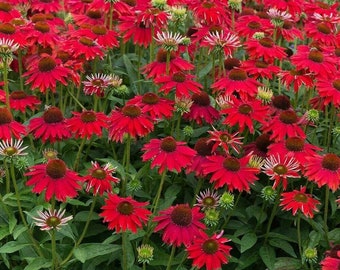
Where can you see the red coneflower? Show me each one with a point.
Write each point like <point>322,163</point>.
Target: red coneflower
<point>9,127</point>
<point>20,101</point>
<point>155,106</point>
<point>210,12</point>
<point>332,259</point>
<point>258,68</point>
<point>181,224</point>
<point>55,179</point>
<point>92,16</point>
<point>103,36</point>
<point>45,73</point>
<point>100,178</point>
<point>50,127</point>
<point>321,31</point>
<point>231,172</point>
<point>168,154</point>
<point>329,89</point>
<point>124,214</point>
<point>8,12</point>
<point>289,32</point>
<point>296,78</point>
<point>84,47</point>
<point>299,200</point>
<point>279,168</point>
<point>210,252</point>
<point>207,199</point>
<point>129,120</point>
<point>50,6</point>
<point>43,34</point>
<point>12,32</point>
<point>87,123</point>
<point>248,25</point>
<point>324,170</point>
<point>225,140</point>
<point>222,41</point>
<point>96,84</point>
<point>152,17</point>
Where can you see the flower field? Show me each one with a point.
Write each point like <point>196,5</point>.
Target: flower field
<point>169,134</point>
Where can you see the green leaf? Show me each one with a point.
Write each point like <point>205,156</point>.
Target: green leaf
<point>38,263</point>
<point>12,246</point>
<point>247,241</point>
<point>11,223</point>
<point>334,235</point>
<point>84,215</point>
<point>287,263</point>
<point>281,236</point>
<point>204,71</point>
<point>4,231</point>
<point>267,254</point>
<point>284,245</point>
<point>18,231</point>
<point>91,250</point>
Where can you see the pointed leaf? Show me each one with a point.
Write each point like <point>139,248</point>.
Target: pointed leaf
<point>38,263</point>
<point>91,250</point>
<point>247,241</point>
<point>267,255</point>
<point>284,245</point>
<point>12,246</point>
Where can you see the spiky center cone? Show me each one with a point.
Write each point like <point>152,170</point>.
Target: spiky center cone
<point>337,52</point>
<point>315,56</point>
<point>56,168</point>
<point>6,7</point>
<point>45,50</point>
<point>38,17</point>
<point>281,102</point>
<point>94,14</point>
<point>150,98</point>
<point>168,144</point>
<point>99,174</point>
<point>210,246</point>
<point>7,28</point>
<point>17,95</point>
<point>231,164</point>
<point>132,111</point>
<point>254,25</point>
<point>208,5</point>
<point>53,115</point>
<point>131,3</point>
<point>42,27</point>
<point>63,56</point>
<point>203,147</point>
<point>261,64</point>
<point>287,25</point>
<point>266,42</point>
<point>201,99</point>
<point>301,197</point>
<point>88,117</point>
<point>262,142</point>
<point>280,169</point>
<point>288,117</point>
<point>53,222</point>
<point>237,75</point>
<point>181,215</point>
<point>161,56</point>
<point>179,77</point>
<point>295,72</point>
<point>87,1</point>
<point>86,41</point>
<point>99,30</point>
<point>5,116</point>
<point>224,137</point>
<point>215,29</point>
<point>10,151</point>
<point>245,109</point>
<point>331,162</point>
<point>231,63</point>
<point>125,208</point>
<point>50,154</point>
<point>323,28</point>
<point>47,64</point>
<point>46,1</point>
<point>209,201</point>
<point>336,84</point>
<point>295,144</point>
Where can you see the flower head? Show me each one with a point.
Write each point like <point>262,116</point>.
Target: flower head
<point>51,219</point>
<point>145,253</point>
<point>169,40</point>
<point>222,41</point>
<point>11,148</point>
<point>96,84</point>
<point>207,199</point>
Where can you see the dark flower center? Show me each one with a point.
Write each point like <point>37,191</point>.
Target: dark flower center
<point>287,25</point>
<point>331,162</point>
<point>46,1</point>
<point>336,84</point>
<point>245,109</point>
<point>315,56</point>
<point>39,17</point>
<point>86,41</point>
<point>300,197</point>
<point>94,13</point>
<point>131,3</point>
<point>56,168</point>
<point>18,95</point>
<point>334,252</point>
<point>210,246</point>
<point>87,1</point>
<point>99,30</point>
<point>281,102</point>
<point>97,82</point>
<point>230,63</point>
<point>131,111</point>
<point>261,64</point>
<point>5,116</point>
<point>161,56</point>
<point>323,28</point>
<point>53,115</point>
<point>209,201</point>
<point>168,144</point>
<point>254,25</point>
<point>201,99</point>
<point>337,52</point>
<point>7,28</point>
<point>231,164</point>
<point>208,5</point>
<point>288,117</point>
<point>150,98</point>
<point>99,174</point>
<point>42,27</point>
<point>63,56</point>
<point>266,42</point>
<point>181,215</point>
<point>237,75</point>
<point>46,64</point>
<point>215,29</point>
<point>10,151</point>
<point>5,7</point>
<point>53,222</point>
<point>295,72</point>
<point>88,117</point>
<point>295,144</point>
<point>125,208</point>
<point>203,147</point>
<point>46,50</point>
<point>179,77</point>
<point>280,169</point>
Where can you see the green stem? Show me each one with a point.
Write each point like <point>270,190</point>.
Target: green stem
<point>124,248</point>
<point>197,189</point>
<point>273,213</point>
<point>156,201</point>
<point>8,178</point>
<point>232,211</point>
<point>5,75</point>
<point>298,227</point>
<point>178,125</point>
<point>81,147</point>
<point>325,216</point>
<point>126,163</point>
<point>168,53</point>
<point>75,99</point>
<point>21,78</point>
<point>54,251</point>
<point>89,217</point>
<point>173,249</point>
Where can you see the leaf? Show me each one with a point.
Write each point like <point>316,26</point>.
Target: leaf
<point>204,71</point>
<point>281,236</point>
<point>91,250</point>
<point>11,223</point>
<point>287,263</point>
<point>267,254</point>
<point>4,231</point>
<point>38,263</point>
<point>84,215</point>
<point>284,245</point>
<point>334,235</point>
<point>247,241</point>
<point>12,246</point>
<point>18,231</point>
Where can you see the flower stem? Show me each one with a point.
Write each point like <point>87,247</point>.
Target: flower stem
<point>89,217</point>
<point>5,77</point>
<point>54,251</point>
<point>325,216</point>
<point>156,201</point>
<point>271,218</point>
<point>167,62</point>
<point>124,243</point>
<point>298,228</point>
<point>126,163</point>
<point>173,249</point>
<point>8,178</point>
<point>197,189</point>
<point>232,211</point>
<point>81,147</point>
